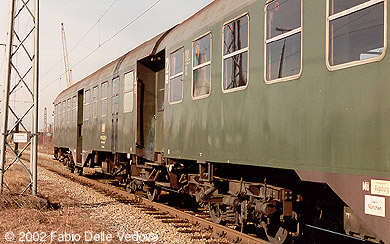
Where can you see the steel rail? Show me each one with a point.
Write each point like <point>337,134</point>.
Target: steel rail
<point>221,230</point>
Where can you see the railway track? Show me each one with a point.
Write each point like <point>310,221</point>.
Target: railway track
<point>185,222</point>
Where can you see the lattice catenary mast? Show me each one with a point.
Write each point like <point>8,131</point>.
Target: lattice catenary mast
<point>25,75</point>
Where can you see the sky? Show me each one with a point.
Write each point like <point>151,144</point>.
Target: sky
<point>79,16</point>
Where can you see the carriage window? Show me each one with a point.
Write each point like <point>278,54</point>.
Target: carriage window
<point>55,115</point>
<point>74,108</point>
<point>235,53</point>
<point>283,41</point>
<point>104,96</point>
<point>115,96</point>
<point>356,32</point>
<point>64,111</point>
<point>95,96</point>
<point>176,76</point>
<point>69,110</point>
<point>201,71</point>
<point>87,98</point>
<point>128,84</point>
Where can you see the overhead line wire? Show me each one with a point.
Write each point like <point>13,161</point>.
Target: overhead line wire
<point>85,35</point>
<point>109,39</point>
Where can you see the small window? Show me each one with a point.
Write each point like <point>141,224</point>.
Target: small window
<point>69,110</point>
<point>95,96</point>
<point>235,54</point>
<point>128,84</point>
<point>115,96</point>
<point>74,108</point>
<point>355,32</point>
<point>201,71</point>
<point>176,76</point>
<point>64,111</point>
<point>87,100</point>
<point>55,115</point>
<point>283,41</point>
<point>104,97</point>
<point>58,117</point>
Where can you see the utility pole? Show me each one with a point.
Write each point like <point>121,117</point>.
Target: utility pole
<point>68,71</point>
<point>25,72</point>
<point>44,127</point>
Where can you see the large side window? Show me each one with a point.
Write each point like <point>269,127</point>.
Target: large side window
<point>176,76</point>
<point>95,97</point>
<point>128,84</point>
<point>235,54</point>
<point>356,32</point>
<point>115,96</point>
<point>283,40</point>
<point>201,71</point>
<point>104,98</point>
<point>74,108</point>
<point>87,100</point>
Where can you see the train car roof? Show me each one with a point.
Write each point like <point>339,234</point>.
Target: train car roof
<point>197,22</point>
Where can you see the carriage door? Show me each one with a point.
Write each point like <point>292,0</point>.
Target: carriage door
<point>150,99</point>
<point>80,121</point>
<point>114,111</point>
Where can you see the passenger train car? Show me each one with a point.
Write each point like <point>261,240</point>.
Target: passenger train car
<point>270,113</point>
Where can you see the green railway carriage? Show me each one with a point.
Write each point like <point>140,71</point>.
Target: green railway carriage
<point>293,93</point>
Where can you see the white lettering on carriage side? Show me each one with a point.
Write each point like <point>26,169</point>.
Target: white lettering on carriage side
<point>375,205</point>
<point>366,186</point>
<point>380,187</point>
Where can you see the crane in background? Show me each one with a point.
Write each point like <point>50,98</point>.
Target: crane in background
<point>68,71</point>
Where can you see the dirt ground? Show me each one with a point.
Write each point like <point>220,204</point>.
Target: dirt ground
<point>44,219</point>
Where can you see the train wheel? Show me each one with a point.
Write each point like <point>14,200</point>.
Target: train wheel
<point>131,187</point>
<point>153,193</point>
<point>80,171</point>
<point>216,213</point>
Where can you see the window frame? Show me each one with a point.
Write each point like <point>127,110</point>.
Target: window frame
<point>74,108</point>
<point>68,110</point>
<point>95,102</point>
<point>128,91</point>
<point>63,112</point>
<point>104,98</point>
<point>115,95</point>
<point>175,76</point>
<point>243,50</point>
<point>346,12</point>
<point>277,38</point>
<point>201,65</point>
<point>87,104</point>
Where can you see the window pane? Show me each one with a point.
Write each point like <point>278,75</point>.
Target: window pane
<point>128,102</point>
<point>202,50</point>
<point>336,6</point>
<point>87,96</point>
<point>160,94</point>
<point>284,57</point>
<point>69,110</point>
<point>104,90</point>
<point>236,35</point>
<point>201,85</point>
<point>235,71</point>
<point>357,36</point>
<point>104,107</point>
<point>176,66</point>
<point>63,111</point>
<point>94,101</point>
<point>283,16</point>
<point>115,104</point>
<point>128,81</point>
<point>176,89</point>
<point>115,86</point>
